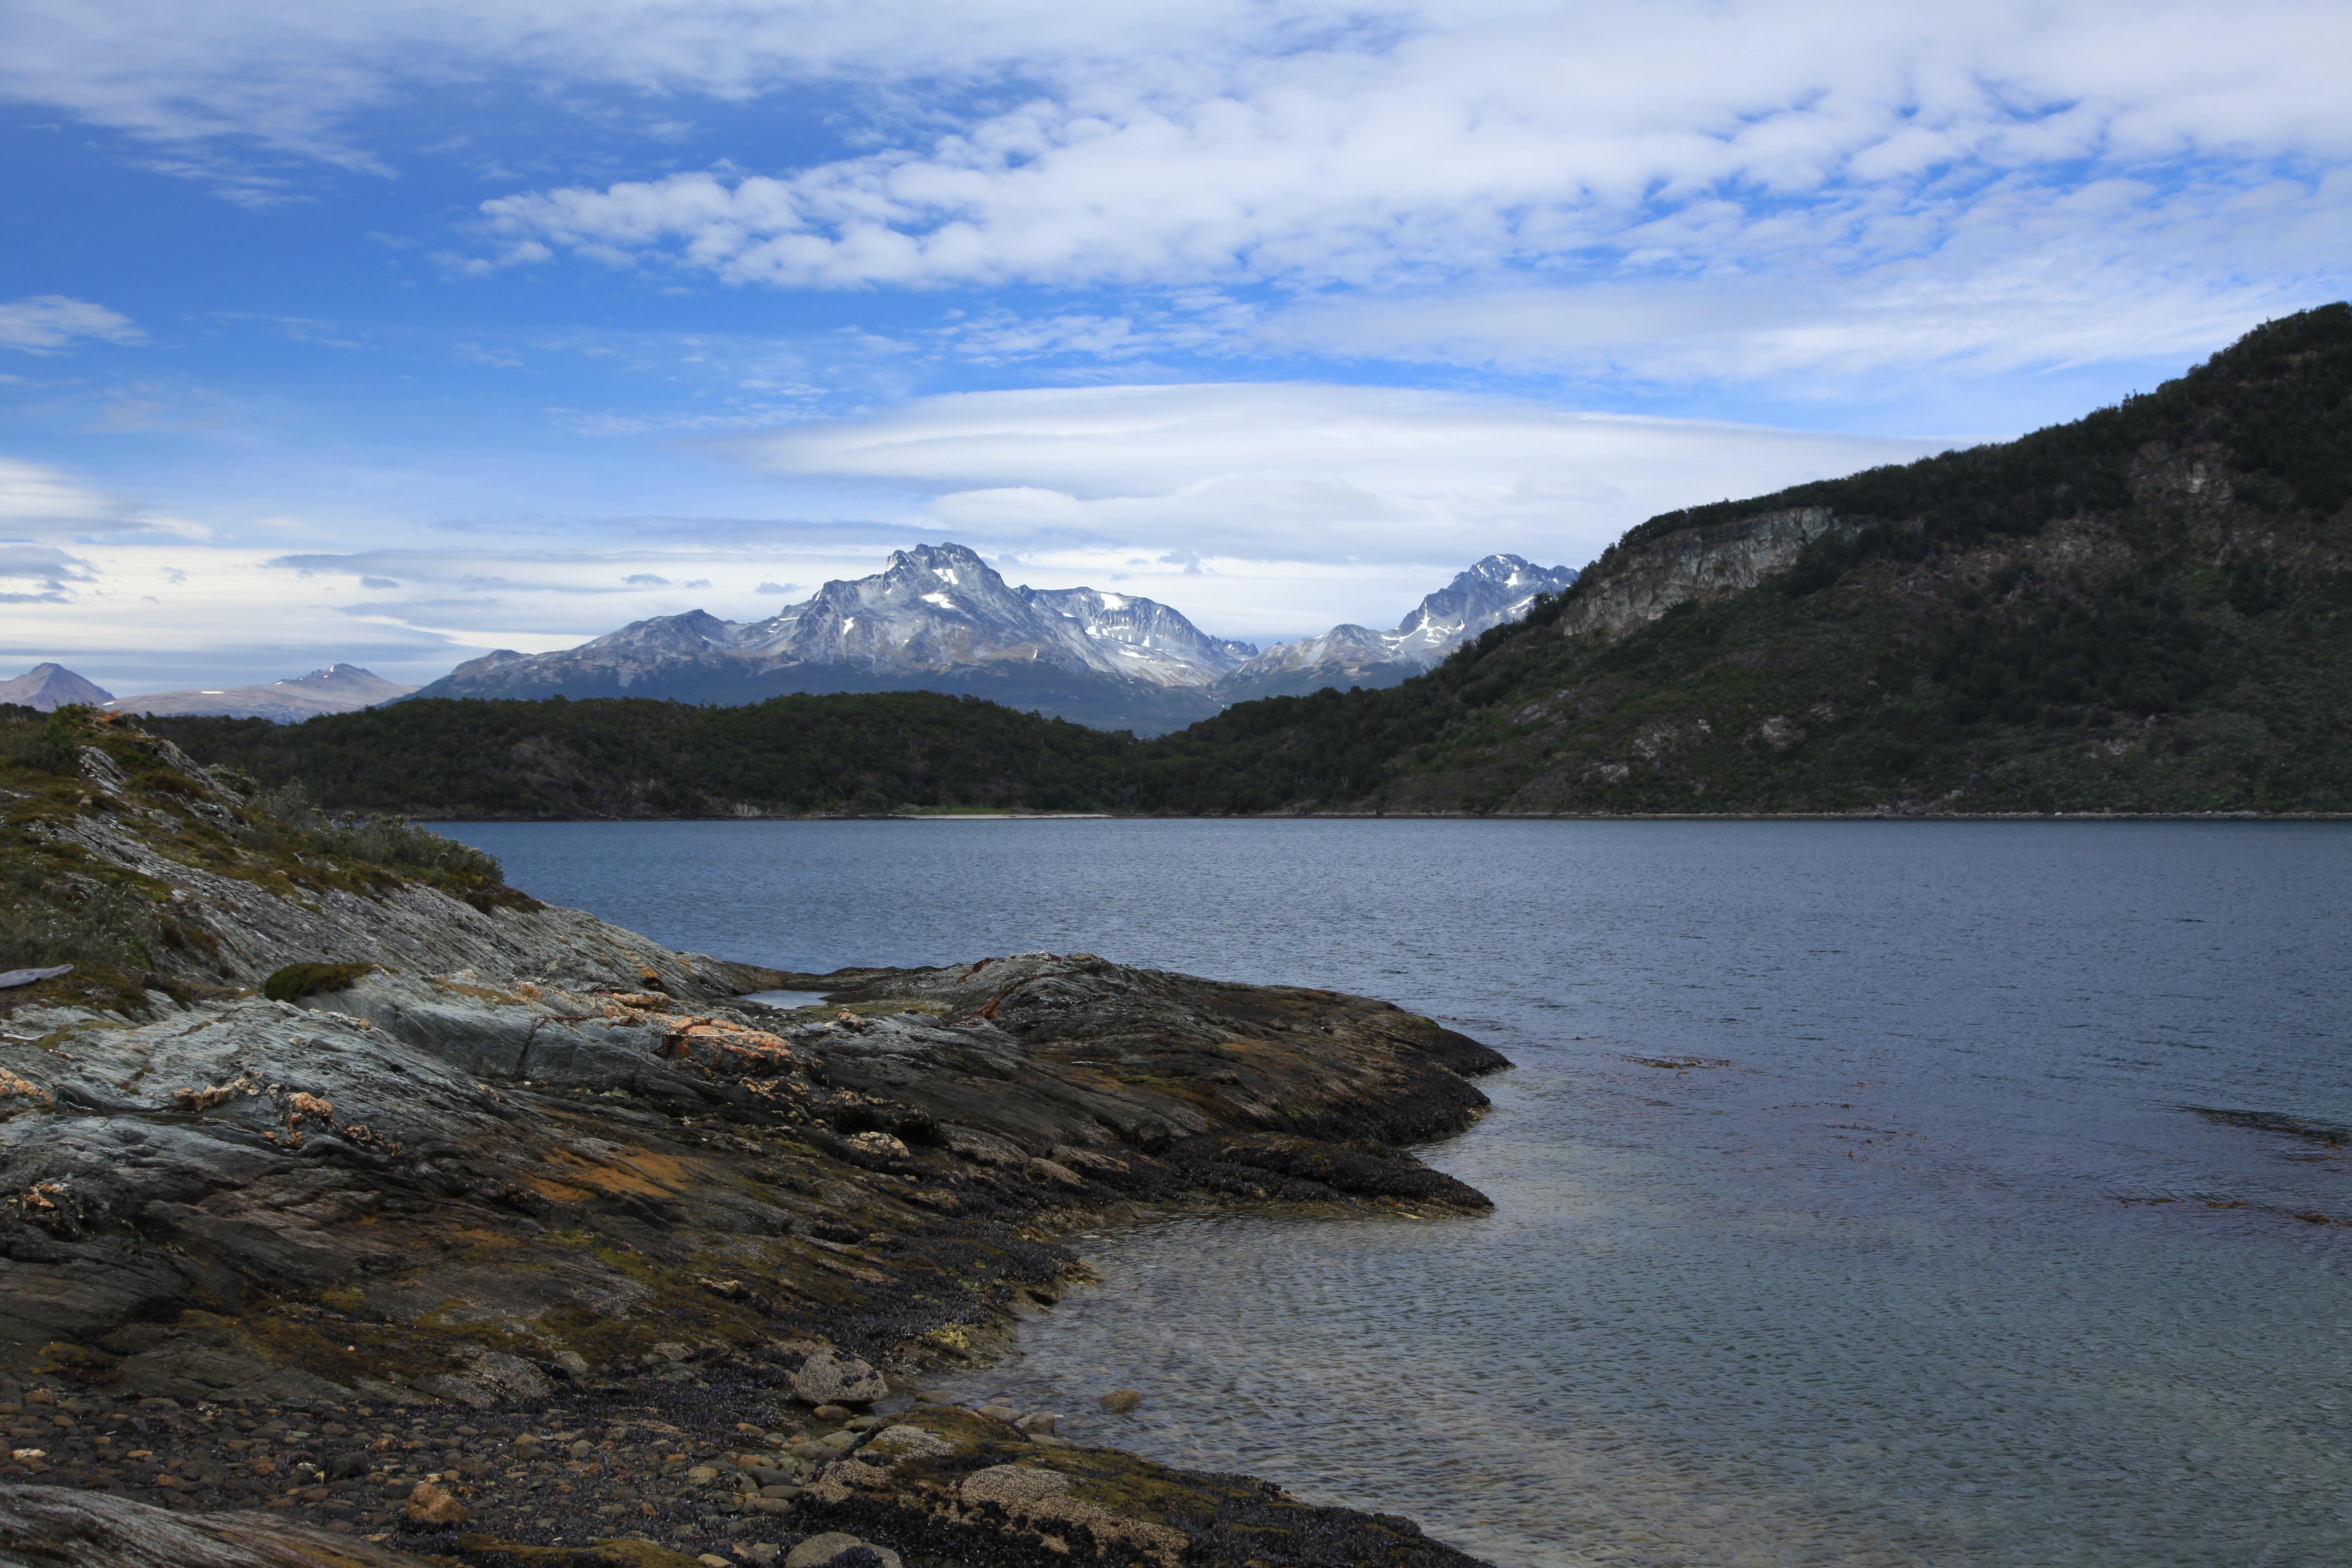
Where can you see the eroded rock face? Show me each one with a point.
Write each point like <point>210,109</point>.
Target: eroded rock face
<point>1695,564</point>
<point>463,1172</point>
<point>59,1528</point>
<point>979,1491</point>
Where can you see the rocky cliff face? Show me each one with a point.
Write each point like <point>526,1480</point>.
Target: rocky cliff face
<point>1631,588</point>
<point>508,1163</point>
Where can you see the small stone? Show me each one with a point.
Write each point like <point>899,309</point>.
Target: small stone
<point>429,1504</point>
<point>1005,1413</point>
<point>1119,1401</point>
<point>935,1397</point>
<point>830,1413</point>
<point>712,1559</point>
<point>1040,1423</point>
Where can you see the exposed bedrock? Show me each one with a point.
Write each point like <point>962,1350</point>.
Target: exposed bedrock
<point>490,1167</point>
<point>452,1167</point>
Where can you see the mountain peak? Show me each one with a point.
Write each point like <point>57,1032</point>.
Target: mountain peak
<point>939,617</point>
<point>49,687</point>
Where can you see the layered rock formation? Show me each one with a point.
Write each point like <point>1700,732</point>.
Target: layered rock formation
<point>482,1156</point>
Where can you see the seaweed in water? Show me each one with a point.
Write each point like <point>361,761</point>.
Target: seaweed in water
<point>2276,1121</point>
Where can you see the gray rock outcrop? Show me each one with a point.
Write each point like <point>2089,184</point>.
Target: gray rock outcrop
<point>1632,589</point>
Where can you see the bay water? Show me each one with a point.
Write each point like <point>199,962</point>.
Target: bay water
<point>1853,1204</point>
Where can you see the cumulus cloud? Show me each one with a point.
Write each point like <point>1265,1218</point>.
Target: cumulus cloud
<point>45,323</point>
<point>1465,139</point>
<point>1508,182</point>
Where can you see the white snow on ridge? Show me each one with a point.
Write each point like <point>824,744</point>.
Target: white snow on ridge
<point>914,630</point>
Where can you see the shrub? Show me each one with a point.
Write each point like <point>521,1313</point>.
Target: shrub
<point>45,921</point>
<point>299,979</point>
<point>54,748</point>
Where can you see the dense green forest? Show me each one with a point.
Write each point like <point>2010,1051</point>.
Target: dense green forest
<point>2147,610</point>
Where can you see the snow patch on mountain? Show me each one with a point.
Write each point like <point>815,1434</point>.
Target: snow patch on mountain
<point>1499,589</point>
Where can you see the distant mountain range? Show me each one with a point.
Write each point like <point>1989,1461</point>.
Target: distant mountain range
<point>939,618</point>
<point>340,689</point>
<point>343,689</point>
<point>2147,609</point>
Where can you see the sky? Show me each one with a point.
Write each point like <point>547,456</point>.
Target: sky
<point>394,333</point>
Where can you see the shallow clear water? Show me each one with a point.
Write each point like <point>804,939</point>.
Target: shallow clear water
<point>1928,1271</point>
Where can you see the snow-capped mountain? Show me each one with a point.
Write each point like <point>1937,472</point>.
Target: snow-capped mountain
<point>49,687</point>
<point>941,607</point>
<point>939,618</point>
<point>340,689</point>
<point>1499,589</point>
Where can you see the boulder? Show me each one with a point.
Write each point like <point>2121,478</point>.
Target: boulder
<point>836,1377</point>
<point>835,1550</point>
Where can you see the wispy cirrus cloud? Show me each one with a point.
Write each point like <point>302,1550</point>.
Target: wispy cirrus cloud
<point>1298,472</point>
<point>39,503</point>
<point>48,324</point>
<point>35,574</point>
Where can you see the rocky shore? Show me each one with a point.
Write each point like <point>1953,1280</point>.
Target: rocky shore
<point>377,1223</point>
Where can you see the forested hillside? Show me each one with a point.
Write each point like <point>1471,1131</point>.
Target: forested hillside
<point>2147,609</point>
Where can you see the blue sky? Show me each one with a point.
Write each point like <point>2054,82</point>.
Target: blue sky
<point>399,332</point>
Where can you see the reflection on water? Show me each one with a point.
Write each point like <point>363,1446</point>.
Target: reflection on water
<point>1847,1212</point>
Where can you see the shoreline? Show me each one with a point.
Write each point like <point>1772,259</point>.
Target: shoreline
<point>667,1433</point>
<point>374,1181</point>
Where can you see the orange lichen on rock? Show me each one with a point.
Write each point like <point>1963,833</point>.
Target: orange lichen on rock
<point>299,1105</point>
<point>14,1088</point>
<point>733,1050</point>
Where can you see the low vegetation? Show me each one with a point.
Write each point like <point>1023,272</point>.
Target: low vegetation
<point>72,778</point>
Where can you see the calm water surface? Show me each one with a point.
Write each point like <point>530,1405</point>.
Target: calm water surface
<point>1929,1265</point>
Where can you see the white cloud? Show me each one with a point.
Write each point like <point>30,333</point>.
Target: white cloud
<point>32,573</point>
<point>1802,186</point>
<point>41,504</point>
<point>44,323</point>
<point>1665,136</point>
<point>1301,473</point>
